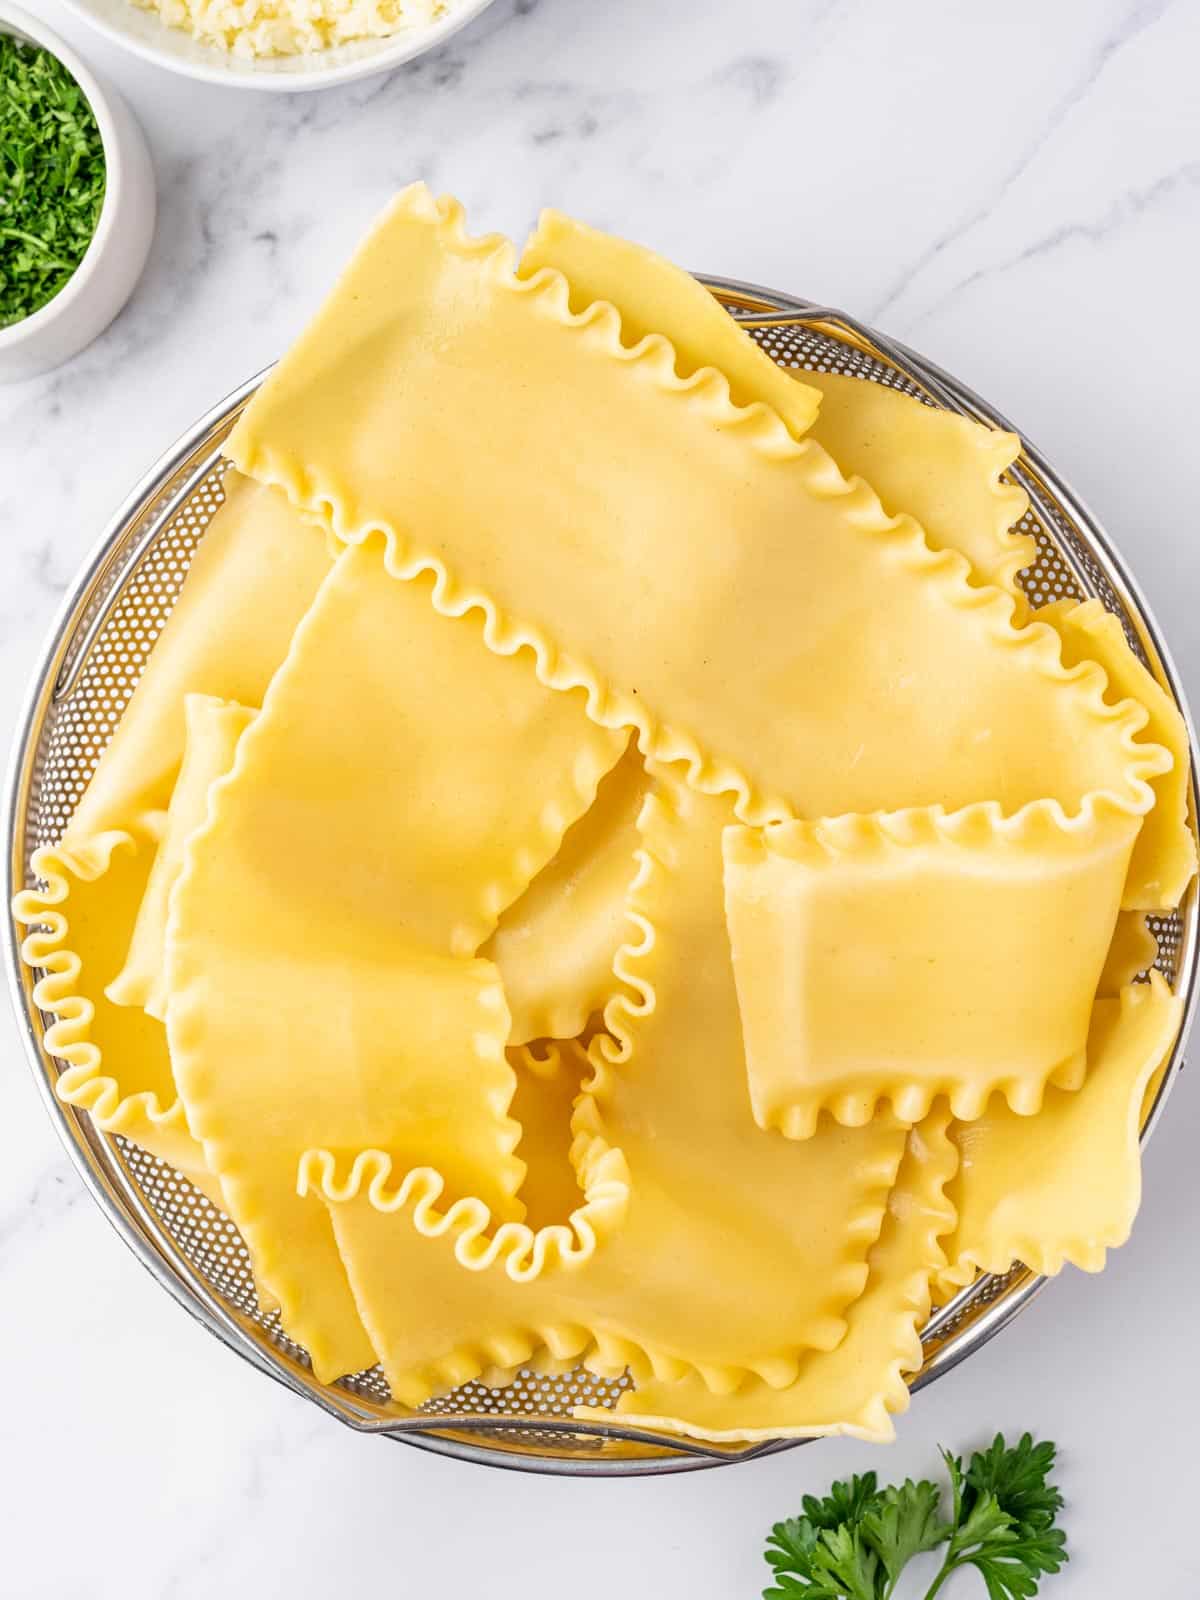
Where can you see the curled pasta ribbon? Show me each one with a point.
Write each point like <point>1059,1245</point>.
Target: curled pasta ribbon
<point>900,957</point>
<point>494,1286</point>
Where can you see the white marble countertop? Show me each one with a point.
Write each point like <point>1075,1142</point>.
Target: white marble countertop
<point>1014,190</point>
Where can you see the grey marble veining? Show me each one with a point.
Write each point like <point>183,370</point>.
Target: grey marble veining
<point>1014,190</point>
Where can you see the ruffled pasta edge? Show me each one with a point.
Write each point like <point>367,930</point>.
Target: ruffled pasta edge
<point>999,449</point>
<point>83,1083</point>
<point>706,390</point>
<point>522,1252</point>
<point>141,1118</point>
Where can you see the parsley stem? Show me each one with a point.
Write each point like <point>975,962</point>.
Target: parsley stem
<point>38,244</point>
<point>944,1572</point>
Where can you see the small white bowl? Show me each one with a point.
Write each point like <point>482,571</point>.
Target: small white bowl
<point>113,262</point>
<point>148,36</point>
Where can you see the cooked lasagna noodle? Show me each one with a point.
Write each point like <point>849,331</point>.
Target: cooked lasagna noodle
<point>604,866</point>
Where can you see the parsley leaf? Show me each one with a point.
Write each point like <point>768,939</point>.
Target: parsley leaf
<point>1013,1568</point>
<point>854,1543</point>
<point>845,1502</point>
<point>822,1555</point>
<point>51,178</point>
<point>820,1563</point>
<point>904,1522</point>
<point>1004,1511</point>
<point>1017,1478</point>
<point>848,1559</point>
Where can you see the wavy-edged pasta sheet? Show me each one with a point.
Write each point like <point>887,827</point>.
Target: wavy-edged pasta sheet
<point>941,469</point>
<point>896,958</point>
<point>857,1388</point>
<point>654,296</point>
<point>213,728</point>
<point>252,578</point>
<point>555,944</point>
<point>1133,950</point>
<point>1164,857</point>
<point>417,758</point>
<point>80,922</point>
<point>385,805</point>
<point>737,1251</point>
<point>1063,1186</point>
<point>676,562</point>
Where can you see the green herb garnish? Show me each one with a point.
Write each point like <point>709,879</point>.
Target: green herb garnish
<point>854,1544</point>
<point>51,178</point>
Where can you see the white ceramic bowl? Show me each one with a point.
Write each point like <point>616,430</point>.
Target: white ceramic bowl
<point>104,279</point>
<point>147,36</point>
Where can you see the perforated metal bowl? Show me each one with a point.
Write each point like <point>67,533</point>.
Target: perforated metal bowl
<point>95,654</point>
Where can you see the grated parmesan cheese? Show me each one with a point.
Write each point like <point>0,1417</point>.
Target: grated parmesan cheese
<point>252,28</point>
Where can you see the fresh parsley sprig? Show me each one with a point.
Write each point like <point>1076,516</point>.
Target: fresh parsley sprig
<point>51,178</point>
<point>855,1542</point>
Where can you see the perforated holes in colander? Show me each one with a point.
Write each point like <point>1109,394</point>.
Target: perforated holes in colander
<point>82,725</point>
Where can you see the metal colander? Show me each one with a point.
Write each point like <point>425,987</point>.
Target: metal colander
<point>95,655</point>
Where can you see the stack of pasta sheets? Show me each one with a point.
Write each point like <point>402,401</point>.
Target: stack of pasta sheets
<point>603,867</point>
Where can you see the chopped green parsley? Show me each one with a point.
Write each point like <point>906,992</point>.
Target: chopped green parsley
<point>51,178</point>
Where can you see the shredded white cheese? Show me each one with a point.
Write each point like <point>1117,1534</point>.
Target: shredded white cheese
<point>292,27</point>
